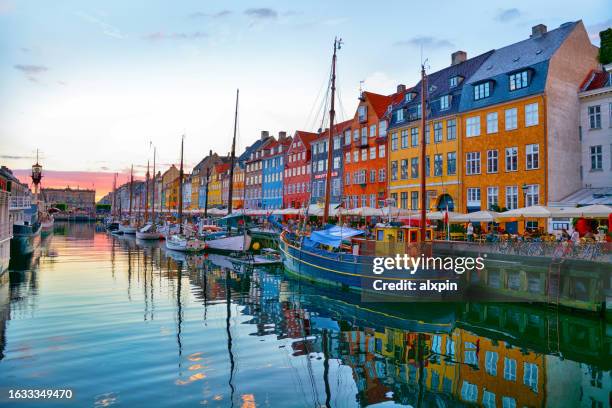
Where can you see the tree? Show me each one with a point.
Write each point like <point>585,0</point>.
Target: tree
<point>605,46</point>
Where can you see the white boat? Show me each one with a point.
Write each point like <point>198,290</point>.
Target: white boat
<point>149,232</point>
<point>184,244</point>
<point>268,257</point>
<point>237,243</point>
<point>127,228</point>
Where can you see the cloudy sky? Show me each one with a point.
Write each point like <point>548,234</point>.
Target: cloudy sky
<point>91,83</point>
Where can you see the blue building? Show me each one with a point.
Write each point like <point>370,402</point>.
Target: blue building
<point>272,172</point>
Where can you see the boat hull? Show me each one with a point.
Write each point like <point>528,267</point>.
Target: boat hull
<point>237,243</point>
<point>127,229</point>
<point>149,235</point>
<point>24,243</point>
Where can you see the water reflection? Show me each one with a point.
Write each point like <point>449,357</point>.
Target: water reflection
<point>127,323</point>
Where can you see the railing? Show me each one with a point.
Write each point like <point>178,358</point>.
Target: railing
<point>20,202</point>
<point>558,250</point>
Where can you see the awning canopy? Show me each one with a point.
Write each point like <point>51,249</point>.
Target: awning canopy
<point>478,216</point>
<point>334,235</point>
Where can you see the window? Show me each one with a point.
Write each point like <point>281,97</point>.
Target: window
<point>382,175</point>
<point>532,196</point>
<point>394,170</point>
<point>437,165</point>
<point>492,197</point>
<point>472,164</point>
<point>511,119</point>
<point>336,162</point>
<point>509,369</point>
<point>427,167</point>
<point>399,115</point>
<point>404,200</point>
<point>511,158</point>
<point>451,163</point>
<point>469,392</point>
<point>373,176</point>
<point>414,167</point>
<point>347,179</point>
<point>427,134</point>
<point>531,114</point>
<point>381,151</point>
<point>362,113</point>
<point>404,169</point>
<point>444,102</point>
<point>364,200</point>
<point>508,402</point>
<point>472,126</point>
<point>451,129</point>
<point>356,135</point>
<point>519,80</point>
<point>437,132</point>
<point>453,81</point>
<point>482,90</point>
<point>404,139</point>
<point>492,161</point>
<point>414,200</point>
<point>492,122</point>
<point>530,376</point>
<point>491,362</point>
<point>373,198</point>
<point>347,157</point>
<point>488,399</point>
<point>382,128</point>
<point>356,156</point>
<point>394,141</point>
<point>347,137</point>
<point>414,136</point>
<point>473,197</point>
<point>372,130</point>
<point>533,156</point>
<point>512,197</point>
<point>372,152</point>
<point>596,158</point>
<point>364,154</point>
<point>364,135</point>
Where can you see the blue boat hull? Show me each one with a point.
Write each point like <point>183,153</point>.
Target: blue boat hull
<point>24,243</point>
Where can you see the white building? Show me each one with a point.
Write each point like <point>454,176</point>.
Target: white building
<point>596,129</point>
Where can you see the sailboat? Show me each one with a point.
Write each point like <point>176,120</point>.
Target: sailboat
<point>127,227</point>
<point>341,256</point>
<point>149,230</point>
<point>181,242</point>
<point>221,242</point>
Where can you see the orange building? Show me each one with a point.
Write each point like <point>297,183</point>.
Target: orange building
<point>365,152</point>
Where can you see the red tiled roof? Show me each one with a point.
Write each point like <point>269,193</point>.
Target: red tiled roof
<point>379,102</point>
<point>595,80</point>
<point>306,137</point>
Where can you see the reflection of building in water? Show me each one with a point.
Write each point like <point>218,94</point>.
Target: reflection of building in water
<point>573,384</point>
<point>494,373</point>
<point>5,310</point>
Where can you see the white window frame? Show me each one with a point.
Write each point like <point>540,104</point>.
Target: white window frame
<point>511,119</point>
<point>492,123</point>
<point>472,126</point>
<point>531,114</point>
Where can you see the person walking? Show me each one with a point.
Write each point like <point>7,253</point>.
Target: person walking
<point>470,232</point>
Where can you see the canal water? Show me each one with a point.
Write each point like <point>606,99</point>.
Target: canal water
<point>125,323</point>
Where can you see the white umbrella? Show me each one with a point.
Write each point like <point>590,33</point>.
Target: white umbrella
<point>595,211</point>
<point>534,211</point>
<point>366,211</point>
<point>439,215</point>
<point>478,216</point>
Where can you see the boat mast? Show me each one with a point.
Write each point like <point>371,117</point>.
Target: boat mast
<point>423,221</point>
<point>146,209</point>
<point>330,149</point>
<point>153,194</point>
<point>232,160</point>
<point>131,190</point>
<point>180,197</point>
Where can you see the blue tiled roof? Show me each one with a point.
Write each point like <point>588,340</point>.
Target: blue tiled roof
<point>439,85</point>
<point>533,54</point>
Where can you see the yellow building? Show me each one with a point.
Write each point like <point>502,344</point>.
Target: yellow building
<point>443,130</point>
<point>169,191</point>
<point>215,187</point>
<point>195,189</point>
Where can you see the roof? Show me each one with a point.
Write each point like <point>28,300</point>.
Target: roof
<point>378,102</point>
<point>587,196</point>
<point>596,80</point>
<point>306,137</point>
<point>533,53</point>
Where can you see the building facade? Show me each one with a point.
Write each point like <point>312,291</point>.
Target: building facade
<point>320,163</point>
<point>596,129</point>
<point>74,199</point>
<point>254,173</point>
<point>296,180</point>
<point>169,188</point>
<point>365,154</point>
<point>520,142</point>
<point>443,125</point>
<point>215,186</point>
<point>273,172</point>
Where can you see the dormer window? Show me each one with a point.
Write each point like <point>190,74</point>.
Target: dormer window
<point>455,81</point>
<point>445,102</point>
<point>410,96</point>
<point>519,80</point>
<point>363,113</point>
<point>399,115</point>
<point>482,90</point>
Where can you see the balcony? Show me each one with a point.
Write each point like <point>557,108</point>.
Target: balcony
<point>20,202</point>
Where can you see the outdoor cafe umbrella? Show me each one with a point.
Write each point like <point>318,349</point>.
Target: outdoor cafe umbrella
<point>478,216</point>
<point>594,211</point>
<point>534,211</point>
<point>440,215</point>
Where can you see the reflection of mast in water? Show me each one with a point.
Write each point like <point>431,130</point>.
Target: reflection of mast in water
<point>179,313</point>
<point>205,289</point>
<point>228,301</point>
<point>145,287</point>
<point>113,242</point>
<point>326,368</point>
<point>129,287</point>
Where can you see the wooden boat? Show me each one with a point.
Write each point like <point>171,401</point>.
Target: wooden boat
<point>236,243</point>
<point>181,243</point>
<point>149,232</point>
<point>127,229</point>
<point>268,257</point>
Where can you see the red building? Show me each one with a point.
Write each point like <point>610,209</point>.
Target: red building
<point>365,152</point>
<point>296,183</point>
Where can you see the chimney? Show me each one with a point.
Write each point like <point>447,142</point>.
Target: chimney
<point>401,88</point>
<point>264,134</point>
<point>538,30</point>
<point>282,136</point>
<point>458,57</point>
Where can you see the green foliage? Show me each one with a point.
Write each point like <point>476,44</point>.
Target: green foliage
<point>605,47</point>
<point>60,206</point>
<point>103,207</point>
<point>457,228</point>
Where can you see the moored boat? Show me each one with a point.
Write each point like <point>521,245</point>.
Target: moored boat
<point>181,243</point>
<point>149,232</point>
<point>228,244</point>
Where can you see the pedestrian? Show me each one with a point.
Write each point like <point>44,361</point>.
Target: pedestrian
<point>470,232</point>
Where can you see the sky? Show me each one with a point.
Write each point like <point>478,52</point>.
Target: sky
<point>92,85</point>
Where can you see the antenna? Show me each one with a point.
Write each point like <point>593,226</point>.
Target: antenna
<point>361,87</point>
